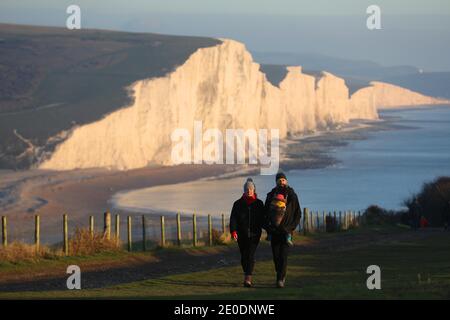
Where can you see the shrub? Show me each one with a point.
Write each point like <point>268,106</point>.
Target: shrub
<point>17,252</point>
<point>83,243</point>
<point>434,201</point>
<point>375,215</point>
<point>220,238</point>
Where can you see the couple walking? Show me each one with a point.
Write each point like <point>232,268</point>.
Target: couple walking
<point>279,216</point>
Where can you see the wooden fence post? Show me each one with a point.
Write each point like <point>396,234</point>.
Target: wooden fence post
<point>318,222</point>
<point>300,225</point>
<point>107,225</point>
<point>66,236</point>
<point>223,224</point>
<point>324,221</point>
<point>37,232</point>
<point>194,230</point>
<point>350,222</point>
<point>345,220</point>
<point>346,215</point>
<point>4,232</point>
<point>335,221</point>
<point>353,219</point>
<point>163,232</point>
<point>144,235</point>
<point>178,230</point>
<point>117,228</point>
<point>129,234</point>
<point>305,220</point>
<point>210,239</point>
<point>91,226</point>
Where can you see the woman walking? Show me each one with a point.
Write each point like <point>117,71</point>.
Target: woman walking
<point>246,221</point>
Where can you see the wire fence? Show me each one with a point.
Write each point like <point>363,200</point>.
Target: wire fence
<point>143,232</point>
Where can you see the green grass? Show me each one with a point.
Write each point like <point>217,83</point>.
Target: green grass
<point>316,274</point>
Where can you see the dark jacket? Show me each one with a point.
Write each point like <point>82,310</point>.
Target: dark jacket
<point>247,220</point>
<point>293,213</point>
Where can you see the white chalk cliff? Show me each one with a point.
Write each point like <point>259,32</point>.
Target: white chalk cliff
<point>223,87</point>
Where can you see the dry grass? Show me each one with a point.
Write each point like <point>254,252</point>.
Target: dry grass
<point>20,252</point>
<point>83,243</point>
<point>80,244</point>
<point>220,238</point>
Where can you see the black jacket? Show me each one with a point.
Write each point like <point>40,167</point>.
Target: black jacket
<point>293,211</point>
<point>247,220</point>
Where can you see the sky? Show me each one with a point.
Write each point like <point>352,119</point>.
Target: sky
<point>414,32</point>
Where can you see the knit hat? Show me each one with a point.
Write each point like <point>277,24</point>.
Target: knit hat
<point>249,184</point>
<point>280,175</point>
<point>279,196</point>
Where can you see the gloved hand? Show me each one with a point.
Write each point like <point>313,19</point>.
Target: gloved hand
<point>234,235</point>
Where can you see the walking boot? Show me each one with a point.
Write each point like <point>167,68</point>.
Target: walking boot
<point>248,281</point>
<point>280,282</point>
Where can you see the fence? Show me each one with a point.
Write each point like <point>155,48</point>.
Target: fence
<point>185,230</point>
<point>312,222</point>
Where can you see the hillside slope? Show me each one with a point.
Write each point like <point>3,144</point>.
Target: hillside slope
<point>53,78</point>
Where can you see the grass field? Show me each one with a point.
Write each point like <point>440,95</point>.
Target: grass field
<point>323,266</point>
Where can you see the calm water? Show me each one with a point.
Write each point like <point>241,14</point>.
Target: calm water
<point>384,169</point>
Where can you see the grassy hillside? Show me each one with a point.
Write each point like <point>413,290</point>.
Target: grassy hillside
<point>320,266</point>
<point>53,78</point>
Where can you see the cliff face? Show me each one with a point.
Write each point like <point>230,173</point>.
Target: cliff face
<point>385,95</point>
<point>224,88</point>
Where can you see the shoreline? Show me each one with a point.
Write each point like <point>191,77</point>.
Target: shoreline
<point>314,147</point>
<point>310,151</point>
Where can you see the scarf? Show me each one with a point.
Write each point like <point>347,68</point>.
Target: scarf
<point>249,200</point>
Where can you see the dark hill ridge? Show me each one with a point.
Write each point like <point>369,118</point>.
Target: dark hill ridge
<point>436,84</point>
<point>275,73</point>
<point>53,78</point>
<point>340,67</point>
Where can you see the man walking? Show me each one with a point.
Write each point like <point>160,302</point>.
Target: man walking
<point>283,214</point>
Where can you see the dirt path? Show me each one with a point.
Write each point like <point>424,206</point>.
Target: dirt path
<point>161,263</point>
